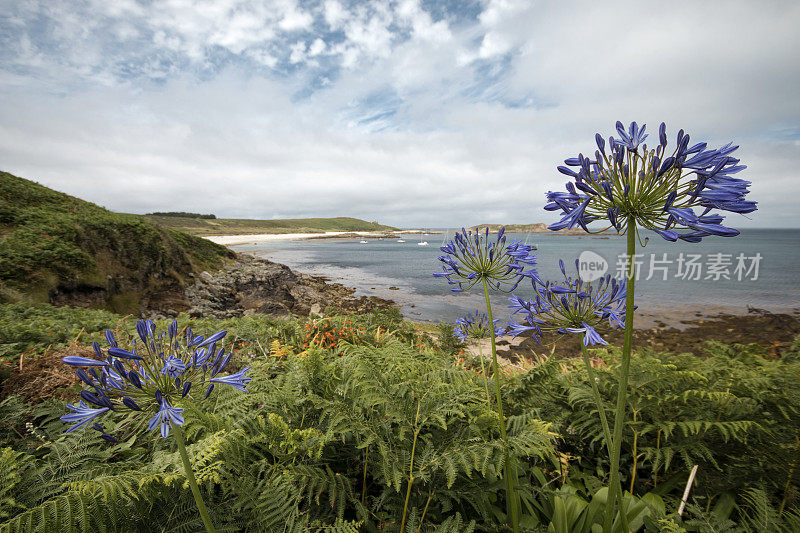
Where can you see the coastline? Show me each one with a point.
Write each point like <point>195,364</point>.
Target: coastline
<point>255,238</point>
<point>233,240</point>
<point>648,315</point>
<point>664,327</point>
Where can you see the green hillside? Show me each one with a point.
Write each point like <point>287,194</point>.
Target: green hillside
<point>534,227</point>
<point>61,249</point>
<point>242,226</point>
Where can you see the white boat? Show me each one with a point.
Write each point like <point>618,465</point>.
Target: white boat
<point>422,243</point>
<point>400,240</point>
<point>363,242</point>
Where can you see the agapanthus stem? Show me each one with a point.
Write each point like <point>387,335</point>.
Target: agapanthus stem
<point>187,467</point>
<point>617,489</point>
<point>510,470</point>
<point>597,400</point>
<point>364,479</point>
<point>483,371</point>
<point>622,392</point>
<point>411,469</point>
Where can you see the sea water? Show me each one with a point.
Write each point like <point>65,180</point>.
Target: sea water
<point>759,268</point>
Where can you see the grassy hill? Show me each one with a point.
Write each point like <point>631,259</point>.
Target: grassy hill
<point>60,249</point>
<point>536,227</point>
<point>241,226</point>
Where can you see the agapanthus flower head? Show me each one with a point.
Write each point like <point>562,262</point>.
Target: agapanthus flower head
<point>476,326</point>
<point>675,192</point>
<point>572,306</point>
<point>153,375</point>
<point>470,258</point>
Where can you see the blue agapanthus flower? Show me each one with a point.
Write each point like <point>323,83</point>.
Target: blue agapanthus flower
<point>173,367</point>
<point>476,326</point>
<point>153,375</point>
<point>572,306</point>
<point>470,258</point>
<point>677,193</point>
<point>83,414</point>
<point>165,417</point>
<point>237,380</point>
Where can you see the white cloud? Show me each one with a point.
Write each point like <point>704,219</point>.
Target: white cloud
<point>367,36</point>
<point>502,21</point>
<point>335,14</point>
<point>421,23</point>
<point>294,18</point>
<point>499,11</point>
<point>125,31</point>
<point>393,115</point>
<point>298,52</point>
<point>262,57</point>
<point>493,44</point>
<point>316,48</point>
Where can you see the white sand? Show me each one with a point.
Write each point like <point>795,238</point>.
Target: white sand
<point>230,240</point>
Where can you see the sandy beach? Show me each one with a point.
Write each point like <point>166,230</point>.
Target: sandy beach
<point>232,240</point>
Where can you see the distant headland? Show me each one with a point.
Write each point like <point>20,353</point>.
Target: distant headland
<point>208,225</point>
<point>535,227</point>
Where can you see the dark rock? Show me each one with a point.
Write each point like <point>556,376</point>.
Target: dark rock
<point>252,285</point>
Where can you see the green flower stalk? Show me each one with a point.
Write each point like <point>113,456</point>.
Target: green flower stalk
<point>476,326</point>
<point>630,187</point>
<point>471,258</point>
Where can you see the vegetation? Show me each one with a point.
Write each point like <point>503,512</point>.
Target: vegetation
<point>361,423</point>
<point>534,227</point>
<point>182,214</point>
<point>242,226</point>
<point>54,247</point>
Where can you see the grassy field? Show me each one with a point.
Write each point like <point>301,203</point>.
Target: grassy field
<point>242,226</point>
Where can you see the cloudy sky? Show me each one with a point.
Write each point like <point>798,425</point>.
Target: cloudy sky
<point>413,113</point>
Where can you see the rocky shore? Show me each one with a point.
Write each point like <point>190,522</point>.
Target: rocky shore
<point>253,285</point>
<point>775,332</point>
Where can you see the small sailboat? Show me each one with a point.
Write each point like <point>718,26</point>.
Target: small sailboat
<point>363,242</point>
<point>400,240</point>
<point>422,243</point>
